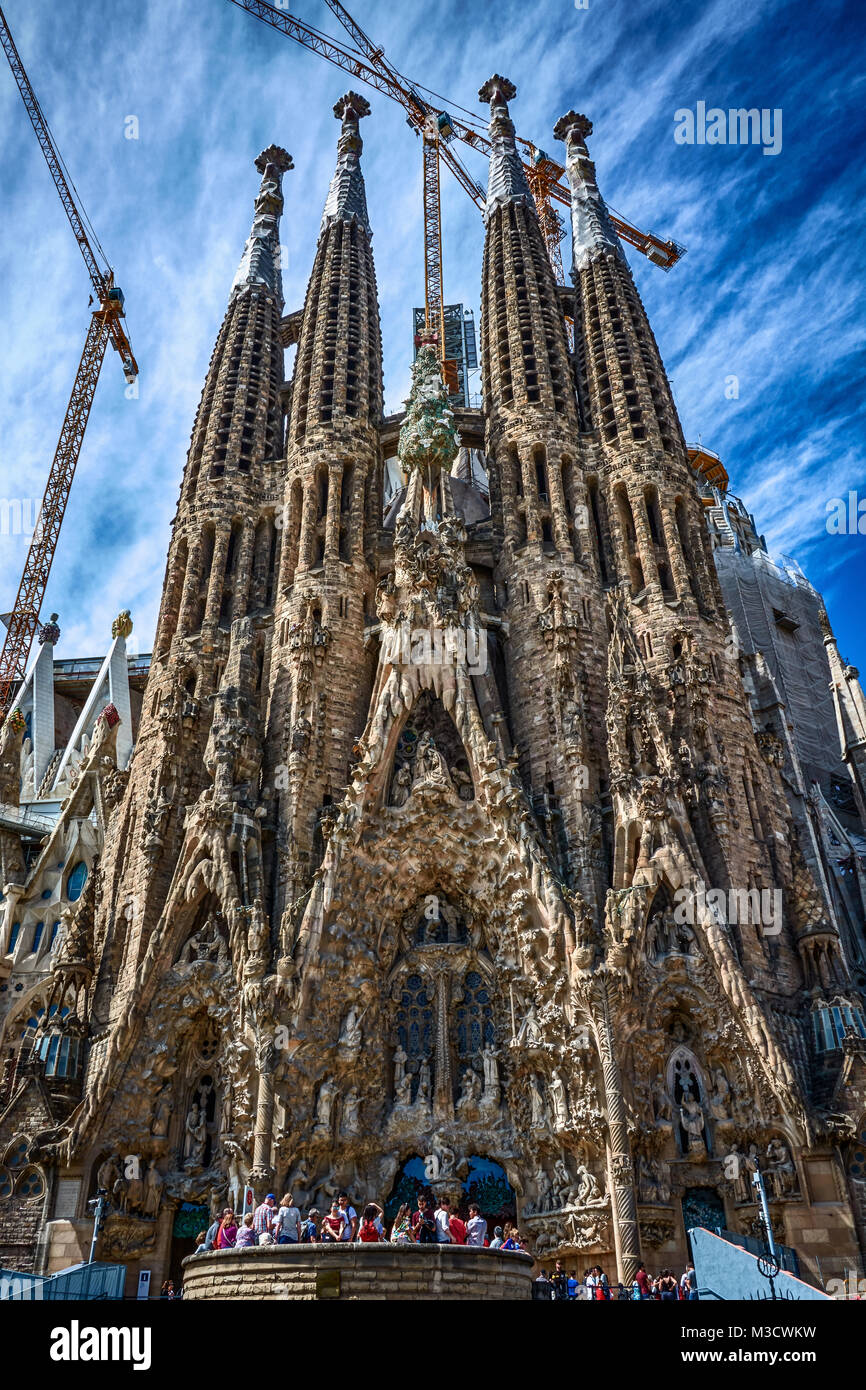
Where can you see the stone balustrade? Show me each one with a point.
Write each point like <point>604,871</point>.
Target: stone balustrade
<point>356,1271</point>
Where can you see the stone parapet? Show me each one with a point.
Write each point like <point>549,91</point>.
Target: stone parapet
<point>351,1271</point>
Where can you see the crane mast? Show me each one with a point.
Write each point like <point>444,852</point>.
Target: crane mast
<point>385,78</point>
<point>105,327</point>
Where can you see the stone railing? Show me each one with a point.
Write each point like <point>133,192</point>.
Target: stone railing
<point>356,1271</point>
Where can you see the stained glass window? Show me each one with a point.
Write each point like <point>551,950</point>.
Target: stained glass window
<point>415,1018</point>
<point>474,1016</point>
<point>76,881</point>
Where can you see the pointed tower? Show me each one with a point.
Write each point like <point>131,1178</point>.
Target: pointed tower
<point>218,592</point>
<point>331,511</point>
<point>647,522</point>
<point>547,572</point>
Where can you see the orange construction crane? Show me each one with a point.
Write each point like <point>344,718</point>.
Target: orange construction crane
<point>440,129</point>
<point>105,326</point>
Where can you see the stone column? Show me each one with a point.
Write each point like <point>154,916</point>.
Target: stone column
<point>645,547</point>
<point>622,1193</point>
<point>308,525</point>
<point>530,494</point>
<point>191,586</point>
<point>332,521</point>
<point>443,1098</point>
<point>558,508</point>
<point>262,1171</point>
<point>243,570</point>
<point>675,555</point>
<point>217,573</point>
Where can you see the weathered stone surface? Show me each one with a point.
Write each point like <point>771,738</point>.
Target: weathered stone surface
<point>394,872</point>
<point>423,1272</point>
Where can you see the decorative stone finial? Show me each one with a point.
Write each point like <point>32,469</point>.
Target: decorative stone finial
<point>572,126</point>
<point>497,91</point>
<point>427,437</point>
<point>346,199</point>
<point>122,625</point>
<point>351,107</point>
<point>50,632</point>
<point>278,157</point>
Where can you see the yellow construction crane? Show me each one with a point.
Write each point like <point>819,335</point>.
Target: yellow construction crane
<point>105,326</point>
<point>439,131</point>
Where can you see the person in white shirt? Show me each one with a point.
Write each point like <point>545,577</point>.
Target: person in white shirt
<point>442,1216</point>
<point>476,1226</point>
<point>287,1222</point>
<point>350,1217</point>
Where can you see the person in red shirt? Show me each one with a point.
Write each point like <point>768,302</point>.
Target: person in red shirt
<point>642,1281</point>
<point>458,1230</point>
<point>369,1232</point>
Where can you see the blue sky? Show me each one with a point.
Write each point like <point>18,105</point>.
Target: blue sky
<point>771,290</point>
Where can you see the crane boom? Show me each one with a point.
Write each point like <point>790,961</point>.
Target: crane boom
<point>105,326</point>
<point>101,280</point>
<point>381,75</point>
<point>24,618</point>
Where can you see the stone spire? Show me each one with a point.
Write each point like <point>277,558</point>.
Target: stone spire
<point>347,199</point>
<point>524,348</point>
<point>338,372</point>
<point>260,263</point>
<point>592,229</point>
<point>621,382</point>
<point>506,180</point>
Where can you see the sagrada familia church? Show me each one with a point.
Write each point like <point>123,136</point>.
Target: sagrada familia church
<point>456,840</point>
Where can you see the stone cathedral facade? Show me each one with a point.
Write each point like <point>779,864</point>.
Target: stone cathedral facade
<point>451,853</point>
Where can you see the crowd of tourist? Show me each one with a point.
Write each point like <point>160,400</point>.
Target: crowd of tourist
<point>271,1224</point>
<point>427,1224</point>
<point>664,1287</point>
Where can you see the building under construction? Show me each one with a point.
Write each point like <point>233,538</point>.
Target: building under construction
<point>456,844</point>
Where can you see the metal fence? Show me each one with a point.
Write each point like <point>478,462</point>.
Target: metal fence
<point>84,1281</point>
<point>785,1254</point>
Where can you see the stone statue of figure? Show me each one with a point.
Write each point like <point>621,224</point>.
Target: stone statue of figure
<point>422,1096</point>
<point>403,1091</point>
<point>153,1185</point>
<point>720,1095</point>
<point>351,1103</point>
<point>195,1136</point>
<point>491,1074</point>
<point>530,1029</point>
<point>661,1100</point>
<point>400,1060</point>
<point>325,1104</point>
<point>545,1189</point>
<point>562,1180</point>
<point>351,1034</point>
<point>589,1193</point>
<point>781,1173</point>
<point>259,932</point>
<point>470,1092</point>
<point>430,766</point>
<point>737,1165</point>
<point>692,1120</point>
<point>539,1108</point>
<point>162,1116</point>
<point>109,1173</point>
<point>559,1096</point>
<point>439,1163</point>
<point>401,787</point>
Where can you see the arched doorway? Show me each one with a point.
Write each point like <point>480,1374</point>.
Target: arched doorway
<point>702,1206</point>
<point>482,1180</point>
<point>189,1219</point>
